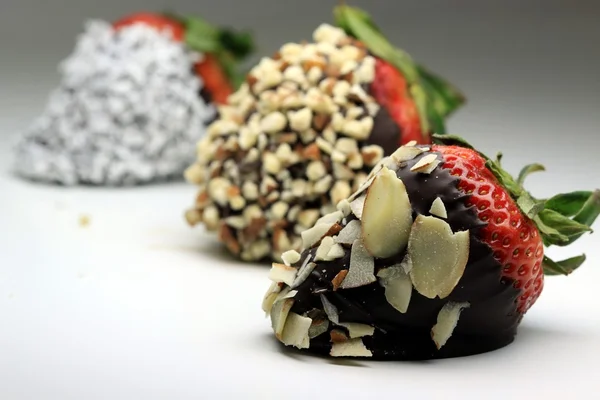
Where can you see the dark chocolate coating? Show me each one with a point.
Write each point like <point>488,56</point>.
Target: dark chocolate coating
<point>489,323</point>
<point>386,133</point>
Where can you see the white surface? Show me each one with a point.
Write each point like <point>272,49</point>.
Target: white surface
<point>139,306</point>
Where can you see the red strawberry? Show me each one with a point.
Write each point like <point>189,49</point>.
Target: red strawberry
<point>439,254</point>
<point>391,91</point>
<point>513,237</point>
<point>215,79</point>
<point>221,48</point>
<point>158,21</point>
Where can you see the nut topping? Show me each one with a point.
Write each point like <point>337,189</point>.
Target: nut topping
<point>350,348</point>
<point>446,322</point>
<point>397,285</point>
<point>439,257</point>
<point>386,216</point>
<point>438,209</point>
<point>362,267</point>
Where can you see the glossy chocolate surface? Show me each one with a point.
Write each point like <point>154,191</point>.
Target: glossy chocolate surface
<point>489,323</point>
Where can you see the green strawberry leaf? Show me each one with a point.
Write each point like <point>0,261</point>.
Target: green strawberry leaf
<point>499,156</point>
<point>568,204</point>
<point>527,170</point>
<point>240,45</point>
<point>530,206</point>
<point>564,267</point>
<point>590,210</point>
<point>454,140</point>
<point>420,99</point>
<point>201,43</point>
<point>229,47</point>
<point>550,236</point>
<point>563,224</point>
<point>507,180</point>
<point>446,97</point>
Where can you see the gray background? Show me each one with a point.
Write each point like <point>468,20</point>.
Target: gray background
<point>529,68</point>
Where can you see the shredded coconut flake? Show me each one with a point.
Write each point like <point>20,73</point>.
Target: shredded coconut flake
<point>127,111</point>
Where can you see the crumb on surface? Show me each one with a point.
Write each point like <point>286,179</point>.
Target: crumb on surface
<point>84,220</point>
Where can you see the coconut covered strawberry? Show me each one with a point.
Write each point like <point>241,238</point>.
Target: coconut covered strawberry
<point>305,129</point>
<point>440,253</point>
<point>134,98</point>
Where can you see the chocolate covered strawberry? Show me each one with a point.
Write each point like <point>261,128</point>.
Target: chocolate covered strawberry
<point>134,98</point>
<point>304,131</point>
<point>439,254</point>
<point>221,48</point>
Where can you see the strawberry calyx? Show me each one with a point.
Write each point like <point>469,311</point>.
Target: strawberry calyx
<point>561,219</point>
<point>435,98</point>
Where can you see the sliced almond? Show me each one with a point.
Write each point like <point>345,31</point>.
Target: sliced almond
<point>344,207</point>
<point>357,330</point>
<point>364,186</point>
<point>447,320</point>
<point>350,348</point>
<point>236,222</point>
<point>357,206</point>
<point>326,245</point>
<point>330,310</point>
<point>349,233</point>
<point>362,267</point>
<point>387,216</point>
<point>307,218</point>
<point>336,251</point>
<point>384,162</point>
<point>338,279</point>
<point>304,272</point>
<point>406,153</point>
<point>438,208</point>
<point>283,273</point>
<point>279,313</point>
<point>290,257</point>
<point>439,257</point>
<point>335,216</point>
<point>318,327</point>
<point>313,235</point>
<point>270,296</point>
<point>397,285</point>
<point>406,264</point>
<point>426,164</point>
<point>295,331</point>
